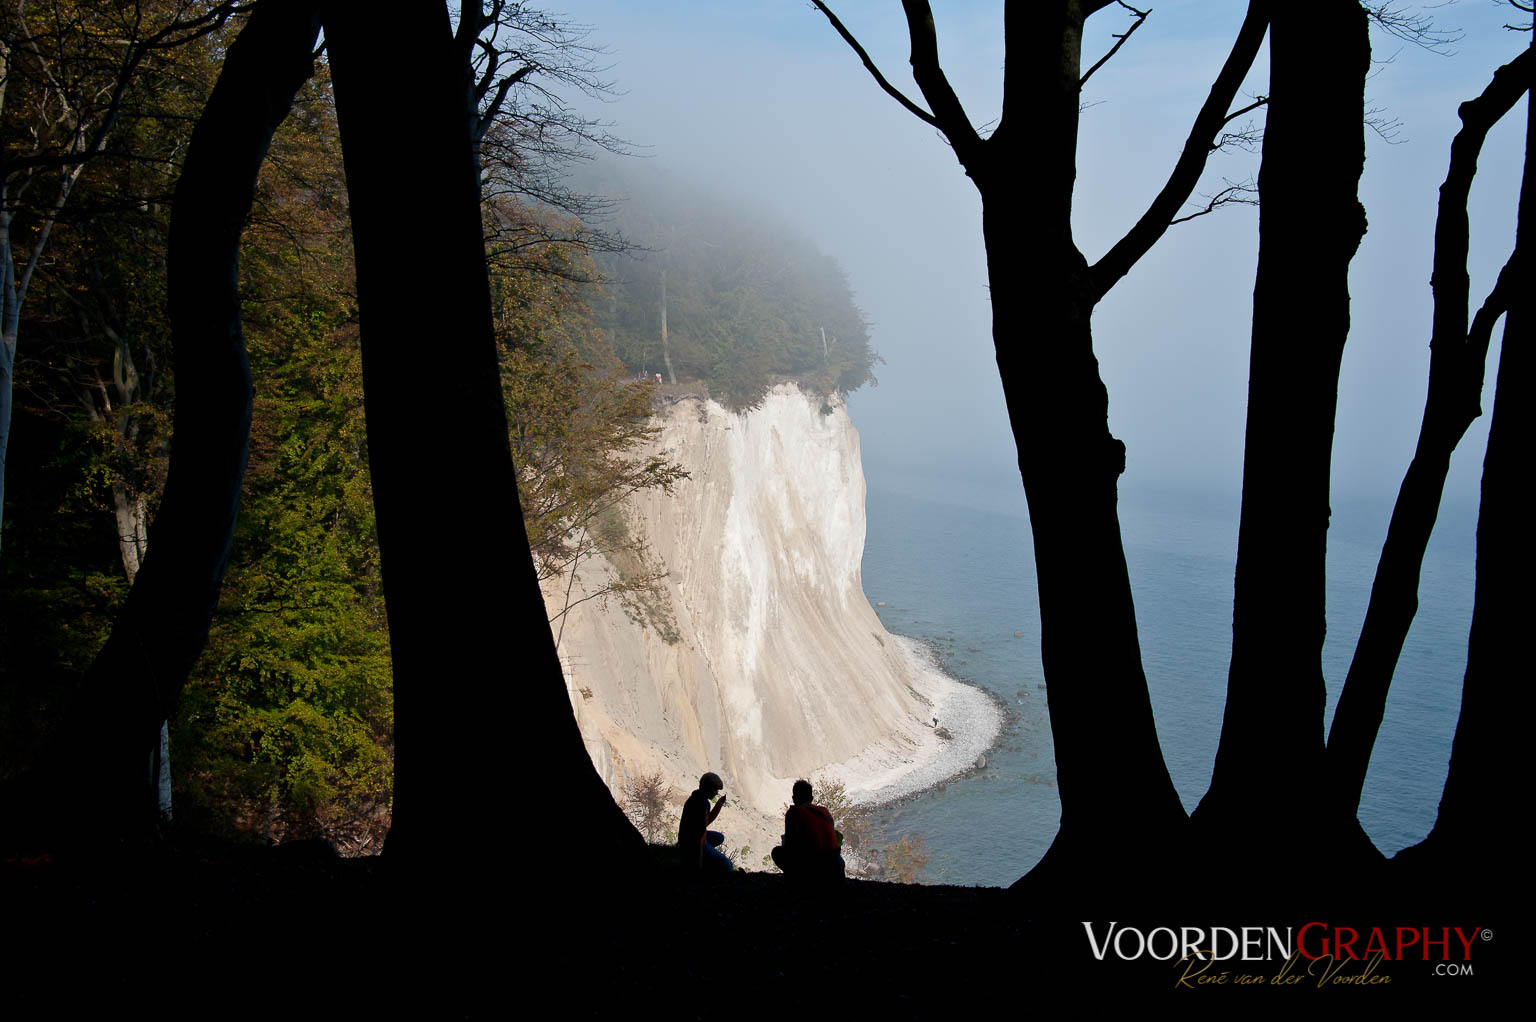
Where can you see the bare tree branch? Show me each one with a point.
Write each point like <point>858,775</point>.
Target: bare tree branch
<point>1527,8</point>
<point>913,108</point>
<point>949,115</point>
<point>1387,128</point>
<point>1246,138</point>
<point>1197,148</point>
<point>1119,38</point>
<point>523,63</point>
<point>494,107</point>
<point>1495,305</point>
<point>465,34</point>
<point>1250,108</point>
<point>1452,233</point>
<point>1242,193</point>
<point>1413,26</point>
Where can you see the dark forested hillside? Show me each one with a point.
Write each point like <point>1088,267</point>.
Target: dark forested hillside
<point>712,290</point>
<point>284,727</point>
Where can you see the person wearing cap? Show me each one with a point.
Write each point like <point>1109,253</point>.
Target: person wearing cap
<point>698,844</point>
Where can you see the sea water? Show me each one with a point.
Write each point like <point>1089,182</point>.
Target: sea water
<point>959,576</point>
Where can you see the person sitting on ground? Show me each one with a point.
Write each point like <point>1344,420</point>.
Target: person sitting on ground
<point>699,845</point>
<point>812,845</point>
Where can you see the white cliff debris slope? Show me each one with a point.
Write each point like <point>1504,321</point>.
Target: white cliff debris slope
<point>763,661</point>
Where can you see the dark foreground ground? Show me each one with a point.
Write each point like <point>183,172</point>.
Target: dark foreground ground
<point>294,931</point>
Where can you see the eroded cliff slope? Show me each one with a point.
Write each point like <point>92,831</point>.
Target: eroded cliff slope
<point>763,661</point>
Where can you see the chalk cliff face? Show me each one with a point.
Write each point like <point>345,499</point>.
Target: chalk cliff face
<point>774,665</point>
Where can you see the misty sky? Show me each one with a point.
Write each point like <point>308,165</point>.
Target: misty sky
<point>762,99</point>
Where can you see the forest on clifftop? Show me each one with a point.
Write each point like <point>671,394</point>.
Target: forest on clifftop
<point>742,298</point>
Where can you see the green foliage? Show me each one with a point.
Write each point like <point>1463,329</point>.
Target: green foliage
<point>61,583</point>
<point>90,420</point>
<point>573,431</point>
<point>287,722</point>
<point>286,725</point>
<point>285,728</point>
<point>579,434</point>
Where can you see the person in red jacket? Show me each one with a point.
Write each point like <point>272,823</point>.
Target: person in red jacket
<point>812,846</point>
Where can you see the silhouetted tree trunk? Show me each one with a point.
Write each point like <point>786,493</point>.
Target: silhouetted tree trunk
<point>1457,358</point>
<point>1264,812</point>
<point>1113,783</point>
<point>98,782</point>
<point>129,504</point>
<point>1115,789</point>
<point>666,358</point>
<point>484,724</point>
<point>1310,226</point>
<point>1481,819</point>
<point>75,75</point>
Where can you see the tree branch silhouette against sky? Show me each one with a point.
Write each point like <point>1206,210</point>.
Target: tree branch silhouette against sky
<point>765,100</point>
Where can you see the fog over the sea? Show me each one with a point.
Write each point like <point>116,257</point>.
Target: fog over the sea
<point>762,99</point>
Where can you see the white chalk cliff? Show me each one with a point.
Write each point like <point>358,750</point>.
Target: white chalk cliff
<point>778,667</point>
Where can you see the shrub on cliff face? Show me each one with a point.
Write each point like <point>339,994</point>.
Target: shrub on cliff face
<point>577,436</point>
<point>865,850</point>
<point>647,799</point>
<point>902,860</point>
<point>852,821</point>
<point>641,586</point>
<point>860,849</point>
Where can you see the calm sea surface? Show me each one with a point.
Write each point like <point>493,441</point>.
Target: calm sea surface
<point>961,577</point>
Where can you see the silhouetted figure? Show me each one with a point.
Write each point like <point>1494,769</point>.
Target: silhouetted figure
<point>812,845</point>
<point>700,846</point>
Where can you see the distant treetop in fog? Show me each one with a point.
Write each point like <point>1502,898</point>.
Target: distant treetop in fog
<point>747,301</point>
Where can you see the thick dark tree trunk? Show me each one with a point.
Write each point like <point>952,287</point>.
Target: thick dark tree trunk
<point>484,724</point>
<point>1457,358</point>
<point>96,785</point>
<point>1477,832</point>
<point>1311,223</point>
<point>1115,789</point>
